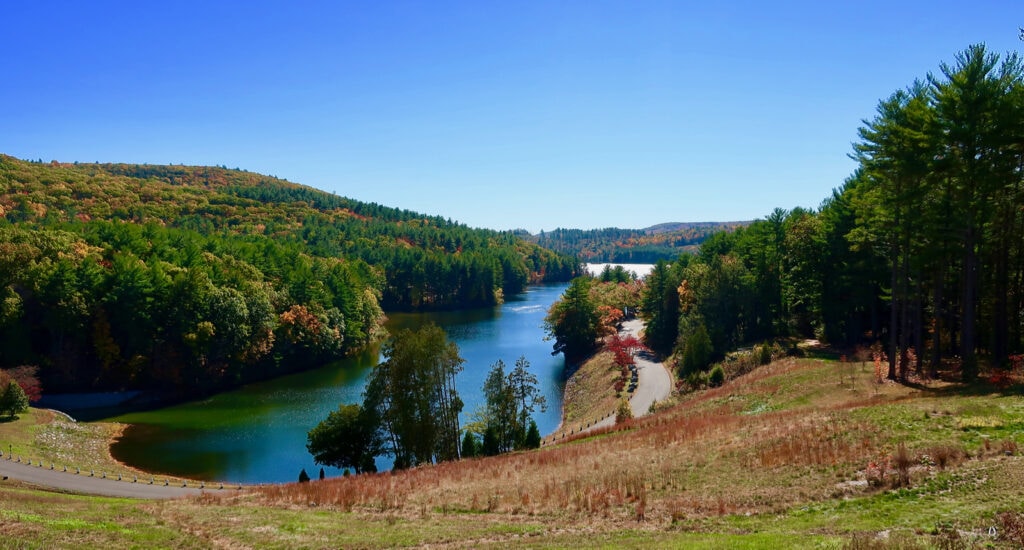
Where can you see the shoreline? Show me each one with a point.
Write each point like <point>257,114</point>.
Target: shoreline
<point>591,388</point>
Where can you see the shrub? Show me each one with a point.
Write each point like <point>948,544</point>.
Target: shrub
<point>1012,527</point>
<point>696,380</point>
<point>764,354</point>
<point>717,377</point>
<point>303,476</point>
<point>624,412</point>
<point>945,455</point>
<point>902,461</point>
<point>697,351</point>
<point>1001,379</point>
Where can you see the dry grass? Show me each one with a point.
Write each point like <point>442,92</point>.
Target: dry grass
<point>784,450</point>
<point>805,443</point>
<point>654,468</point>
<point>590,393</point>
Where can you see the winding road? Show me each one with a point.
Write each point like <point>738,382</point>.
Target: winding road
<point>653,381</point>
<point>96,485</point>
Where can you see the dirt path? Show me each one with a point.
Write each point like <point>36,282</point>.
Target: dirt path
<point>96,484</point>
<point>653,380</point>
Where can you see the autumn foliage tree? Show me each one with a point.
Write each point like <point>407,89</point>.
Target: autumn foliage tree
<point>190,278</point>
<point>623,348</point>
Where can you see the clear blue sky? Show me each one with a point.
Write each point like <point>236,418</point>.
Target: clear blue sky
<point>496,114</point>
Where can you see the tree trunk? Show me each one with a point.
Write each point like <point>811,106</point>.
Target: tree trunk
<point>968,322</point>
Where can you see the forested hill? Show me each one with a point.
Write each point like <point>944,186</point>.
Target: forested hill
<point>660,242</point>
<point>141,276</point>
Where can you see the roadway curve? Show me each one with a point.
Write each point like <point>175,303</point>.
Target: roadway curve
<point>653,381</point>
<point>96,485</point>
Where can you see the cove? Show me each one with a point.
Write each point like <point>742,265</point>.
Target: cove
<point>257,433</point>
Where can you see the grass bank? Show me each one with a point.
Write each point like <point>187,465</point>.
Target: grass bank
<point>52,437</point>
<point>799,453</point>
<point>589,392</point>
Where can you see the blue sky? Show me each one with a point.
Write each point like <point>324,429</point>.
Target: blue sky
<point>503,115</point>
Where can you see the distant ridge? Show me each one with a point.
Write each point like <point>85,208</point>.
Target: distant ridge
<point>669,227</point>
<point>664,241</point>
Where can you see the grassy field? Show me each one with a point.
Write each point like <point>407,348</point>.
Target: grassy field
<point>801,453</point>
<point>590,392</point>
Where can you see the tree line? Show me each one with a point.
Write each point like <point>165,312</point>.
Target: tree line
<point>590,309</point>
<point>921,249</point>
<point>196,278</point>
<point>614,245</point>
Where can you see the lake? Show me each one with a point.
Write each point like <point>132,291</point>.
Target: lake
<point>640,270</point>
<point>257,434</point>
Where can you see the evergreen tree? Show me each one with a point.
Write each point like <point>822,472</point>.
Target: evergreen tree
<point>491,445</point>
<point>572,321</point>
<point>469,445</point>
<point>532,440</point>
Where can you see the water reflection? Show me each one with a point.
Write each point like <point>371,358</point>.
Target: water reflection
<point>257,434</point>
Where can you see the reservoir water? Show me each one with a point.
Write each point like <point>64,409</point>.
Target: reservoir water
<point>257,434</point>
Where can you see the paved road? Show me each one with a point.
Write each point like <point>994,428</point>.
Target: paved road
<point>83,483</point>
<point>653,381</point>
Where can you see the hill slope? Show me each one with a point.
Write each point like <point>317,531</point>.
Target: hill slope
<point>802,453</point>
<point>138,276</point>
<point>664,241</point>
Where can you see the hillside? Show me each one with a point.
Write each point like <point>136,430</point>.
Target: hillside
<point>118,276</point>
<point>801,453</point>
<point>664,241</point>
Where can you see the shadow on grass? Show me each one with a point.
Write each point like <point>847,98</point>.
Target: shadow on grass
<point>977,388</point>
<point>5,419</point>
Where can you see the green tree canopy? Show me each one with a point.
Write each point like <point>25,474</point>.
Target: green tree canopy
<point>13,400</point>
<point>347,438</point>
<point>412,394</point>
<point>572,322</point>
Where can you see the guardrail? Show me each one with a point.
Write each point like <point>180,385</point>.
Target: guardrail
<point>578,428</point>
<point>134,478</point>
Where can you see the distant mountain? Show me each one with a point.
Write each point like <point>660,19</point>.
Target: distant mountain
<point>141,276</point>
<point>664,241</point>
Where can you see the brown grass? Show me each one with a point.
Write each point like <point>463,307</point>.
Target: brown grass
<point>776,447</point>
<point>665,466</point>
<point>590,394</point>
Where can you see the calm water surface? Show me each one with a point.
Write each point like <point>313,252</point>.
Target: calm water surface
<point>257,434</point>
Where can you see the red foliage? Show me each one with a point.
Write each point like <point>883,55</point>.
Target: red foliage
<point>624,348</point>
<point>26,377</point>
<point>1000,378</point>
